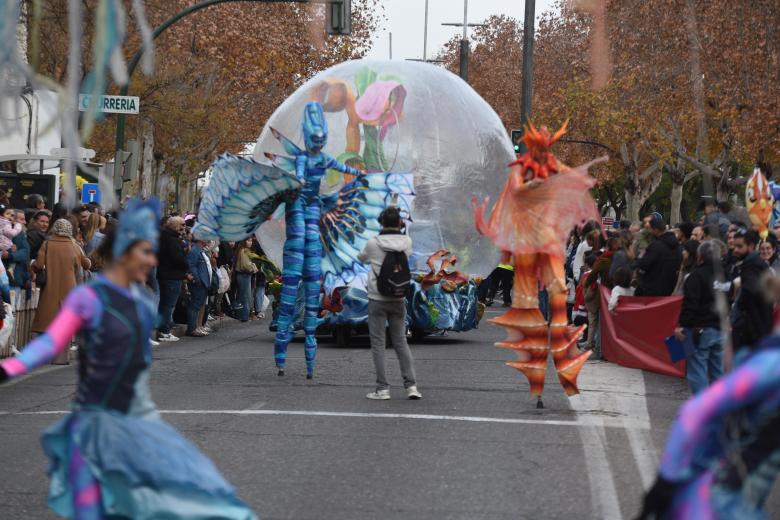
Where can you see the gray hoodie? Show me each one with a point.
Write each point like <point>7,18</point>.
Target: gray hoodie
<point>374,254</point>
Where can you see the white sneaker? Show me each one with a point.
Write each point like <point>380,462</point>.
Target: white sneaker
<point>413,393</point>
<point>154,343</point>
<point>379,395</point>
<point>203,330</point>
<point>207,329</point>
<point>167,337</point>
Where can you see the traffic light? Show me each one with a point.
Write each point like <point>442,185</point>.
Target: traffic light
<point>517,140</point>
<point>338,17</point>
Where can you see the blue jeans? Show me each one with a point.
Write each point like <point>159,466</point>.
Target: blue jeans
<point>705,365</point>
<point>198,295</point>
<point>169,295</point>
<point>244,295</point>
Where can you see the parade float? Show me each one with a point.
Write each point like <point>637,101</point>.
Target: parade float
<point>427,139</point>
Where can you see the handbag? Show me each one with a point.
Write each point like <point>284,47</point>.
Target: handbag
<point>40,276</point>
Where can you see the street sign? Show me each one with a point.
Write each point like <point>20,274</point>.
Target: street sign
<point>111,104</point>
<point>82,154</point>
<point>90,193</point>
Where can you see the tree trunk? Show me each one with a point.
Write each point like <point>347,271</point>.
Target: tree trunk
<point>633,206</point>
<point>147,186</point>
<point>677,196</point>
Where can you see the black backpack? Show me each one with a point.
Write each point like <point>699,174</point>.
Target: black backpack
<point>394,276</point>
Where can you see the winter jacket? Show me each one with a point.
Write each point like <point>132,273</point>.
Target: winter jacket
<point>172,257</point>
<point>698,305</point>
<point>7,232</point>
<point>659,266</point>
<point>751,314</point>
<point>374,253</point>
<point>36,239</point>
<point>619,259</point>
<point>201,270</point>
<point>19,261</point>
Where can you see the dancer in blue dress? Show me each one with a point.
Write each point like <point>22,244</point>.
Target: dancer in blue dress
<point>113,456</point>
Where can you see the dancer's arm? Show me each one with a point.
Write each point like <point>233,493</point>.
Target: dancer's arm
<point>80,307</point>
<point>333,164</point>
<point>751,382</point>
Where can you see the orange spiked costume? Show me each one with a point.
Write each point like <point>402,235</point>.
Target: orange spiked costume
<point>542,201</point>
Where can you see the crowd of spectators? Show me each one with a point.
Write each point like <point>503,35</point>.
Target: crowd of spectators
<point>196,281</point>
<point>717,265</point>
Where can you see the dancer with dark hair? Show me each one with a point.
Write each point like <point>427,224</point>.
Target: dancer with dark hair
<point>113,456</point>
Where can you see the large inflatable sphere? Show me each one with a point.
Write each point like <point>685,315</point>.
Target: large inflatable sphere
<point>401,116</point>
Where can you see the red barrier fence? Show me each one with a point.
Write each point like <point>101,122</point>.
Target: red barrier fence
<point>633,334</point>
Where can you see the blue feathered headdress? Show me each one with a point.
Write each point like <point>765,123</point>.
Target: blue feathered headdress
<point>139,221</point>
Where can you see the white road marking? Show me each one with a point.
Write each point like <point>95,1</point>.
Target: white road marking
<point>580,423</point>
<point>619,394</point>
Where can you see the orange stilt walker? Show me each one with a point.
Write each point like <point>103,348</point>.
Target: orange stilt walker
<point>542,201</point>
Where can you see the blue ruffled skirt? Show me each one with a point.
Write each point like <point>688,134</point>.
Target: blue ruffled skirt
<point>145,468</point>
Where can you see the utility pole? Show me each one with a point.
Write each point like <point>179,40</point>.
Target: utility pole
<point>391,45</point>
<point>528,62</point>
<point>464,42</point>
<point>425,34</point>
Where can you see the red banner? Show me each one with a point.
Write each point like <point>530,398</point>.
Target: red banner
<point>633,334</point>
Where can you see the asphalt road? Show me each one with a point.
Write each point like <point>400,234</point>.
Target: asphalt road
<point>475,447</point>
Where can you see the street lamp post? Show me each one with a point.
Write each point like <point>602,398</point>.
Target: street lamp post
<point>425,34</point>
<point>120,123</point>
<point>528,62</point>
<point>464,42</point>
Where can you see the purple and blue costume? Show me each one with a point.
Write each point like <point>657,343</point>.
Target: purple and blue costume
<point>113,455</point>
<point>723,451</point>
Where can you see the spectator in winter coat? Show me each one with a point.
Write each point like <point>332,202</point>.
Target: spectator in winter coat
<point>713,216</point>
<point>19,258</point>
<point>661,262</point>
<point>93,232</point>
<point>768,251</point>
<point>583,247</point>
<point>171,272</point>
<point>699,321</point>
<point>62,259</point>
<point>622,257</point>
<point>37,230</point>
<point>202,278</point>
<point>9,228</point>
<point>751,316</point>
<point>385,311</point>
<point>690,254</point>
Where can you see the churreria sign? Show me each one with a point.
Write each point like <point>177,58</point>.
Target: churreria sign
<point>112,104</point>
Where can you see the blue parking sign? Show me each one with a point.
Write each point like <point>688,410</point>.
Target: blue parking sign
<point>90,193</point>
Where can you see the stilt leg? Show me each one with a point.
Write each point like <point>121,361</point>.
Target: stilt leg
<point>525,326</point>
<point>567,358</point>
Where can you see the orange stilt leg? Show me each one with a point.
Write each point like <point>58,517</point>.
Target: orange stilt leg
<point>525,326</point>
<point>563,339</point>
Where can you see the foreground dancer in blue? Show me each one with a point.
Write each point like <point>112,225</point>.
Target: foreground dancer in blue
<point>302,260</point>
<point>723,452</point>
<point>113,457</point>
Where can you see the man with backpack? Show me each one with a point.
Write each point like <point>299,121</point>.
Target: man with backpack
<point>387,259</point>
